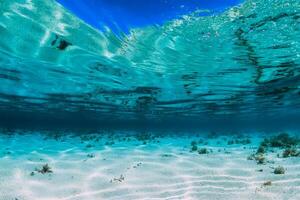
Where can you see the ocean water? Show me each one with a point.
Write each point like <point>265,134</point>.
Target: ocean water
<point>204,106</point>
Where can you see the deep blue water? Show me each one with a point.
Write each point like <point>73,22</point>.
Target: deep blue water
<point>123,15</point>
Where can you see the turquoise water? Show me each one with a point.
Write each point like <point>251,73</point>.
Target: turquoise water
<point>205,106</point>
<point>243,63</point>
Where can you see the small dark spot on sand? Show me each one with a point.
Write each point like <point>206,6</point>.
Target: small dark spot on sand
<point>203,151</point>
<point>279,170</point>
<point>261,150</point>
<point>91,155</point>
<point>267,183</point>
<point>166,155</point>
<point>259,158</point>
<point>120,179</point>
<point>46,169</point>
<point>194,148</point>
<point>137,165</point>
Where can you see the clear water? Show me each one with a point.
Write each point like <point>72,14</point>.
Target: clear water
<point>235,75</point>
<point>240,63</point>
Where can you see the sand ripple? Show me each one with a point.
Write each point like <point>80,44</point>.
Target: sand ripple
<point>131,170</point>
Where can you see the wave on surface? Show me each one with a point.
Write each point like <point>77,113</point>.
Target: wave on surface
<point>241,62</point>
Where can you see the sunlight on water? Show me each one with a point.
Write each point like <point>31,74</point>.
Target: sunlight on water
<point>88,114</point>
<point>242,61</point>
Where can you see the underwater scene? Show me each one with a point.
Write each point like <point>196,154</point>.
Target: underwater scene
<point>162,99</point>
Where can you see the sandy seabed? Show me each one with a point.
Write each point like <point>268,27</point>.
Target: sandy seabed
<point>143,166</point>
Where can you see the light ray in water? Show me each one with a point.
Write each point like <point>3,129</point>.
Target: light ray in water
<point>201,106</point>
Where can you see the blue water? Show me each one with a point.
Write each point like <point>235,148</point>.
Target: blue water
<point>122,15</point>
<point>161,99</point>
<point>197,63</point>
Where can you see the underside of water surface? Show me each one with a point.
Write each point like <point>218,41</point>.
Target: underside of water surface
<point>241,63</point>
<point>205,105</point>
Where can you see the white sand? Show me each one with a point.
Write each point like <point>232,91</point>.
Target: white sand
<point>165,170</point>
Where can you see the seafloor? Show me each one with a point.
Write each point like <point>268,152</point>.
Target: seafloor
<point>49,165</point>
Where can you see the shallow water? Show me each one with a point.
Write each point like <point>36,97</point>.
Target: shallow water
<point>237,63</point>
<point>132,165</point>
<point>115,115</point>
